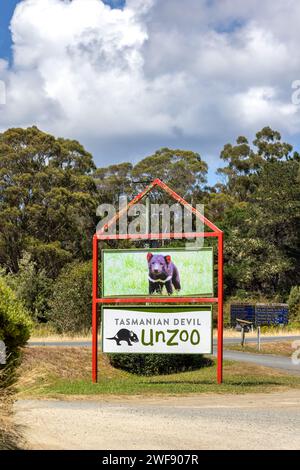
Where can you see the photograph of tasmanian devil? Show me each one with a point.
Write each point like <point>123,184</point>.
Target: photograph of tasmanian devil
<point>162,273</point>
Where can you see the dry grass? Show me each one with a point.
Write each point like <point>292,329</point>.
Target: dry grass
<point>43,365</point>
<point>54,338</point>
<point>246,369</point>
<point>232,333</point>
<point>46,333</point>
<point>278,348</point>
<point>10,436</point>
<point>44,336</point>
<point>66,372</point>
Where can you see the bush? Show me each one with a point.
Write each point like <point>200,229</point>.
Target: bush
<point>32,287</point>
<point>294,304</point>
<point>15,323</point>
<point>157,364</point>
<point>71,303</point>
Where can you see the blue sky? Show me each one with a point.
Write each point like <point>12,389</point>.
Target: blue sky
<point>7,8</point>
<point>152,73</point>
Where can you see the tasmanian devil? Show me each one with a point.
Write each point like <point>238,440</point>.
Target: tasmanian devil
<point>125,335</point>
<point>162,272</point>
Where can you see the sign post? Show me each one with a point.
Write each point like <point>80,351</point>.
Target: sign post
<point>148,299</point>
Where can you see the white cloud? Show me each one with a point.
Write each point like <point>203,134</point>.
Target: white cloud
<point>156,71</point>
<point>259,105</point>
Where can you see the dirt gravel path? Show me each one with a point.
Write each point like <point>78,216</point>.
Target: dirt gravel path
<point>253,421</point>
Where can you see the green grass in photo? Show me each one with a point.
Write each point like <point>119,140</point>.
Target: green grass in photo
<point>125,273</point>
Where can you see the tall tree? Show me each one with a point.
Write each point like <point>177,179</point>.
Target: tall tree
<point>47,199</point>
<point>274,222</point>
<point>270,148</point>
<point>182,170</point>
<point>238,174</point>
<point>263,241</point>
<point>245,162</point>
<point>113,180</point>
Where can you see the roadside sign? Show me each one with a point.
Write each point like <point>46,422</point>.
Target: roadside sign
<point>171,288</point>
<point>164,330</point>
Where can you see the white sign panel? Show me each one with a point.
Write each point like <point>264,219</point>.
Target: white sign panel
<point>180,330</point>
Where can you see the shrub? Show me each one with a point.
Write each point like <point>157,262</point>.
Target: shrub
<point>294,304</point>
<point>156,364</point>
<point>32,287</point>
<point>15,323</point>
<point>71,303</point>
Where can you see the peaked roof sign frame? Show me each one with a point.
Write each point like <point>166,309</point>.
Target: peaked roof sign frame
<point>102,235</point>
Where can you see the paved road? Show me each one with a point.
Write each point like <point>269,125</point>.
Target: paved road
<point>267,360</point>
<point>254,421</point>
<point>264,339</point>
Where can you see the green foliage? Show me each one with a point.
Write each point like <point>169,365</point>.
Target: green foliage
<point>156,364</point>
<point>15,323</point>
<point>48,199</point>
<point>50,189</point>
<point>294,304</point>
<point>182,170</point>
<point>270,147</point>
<point>245,163</point>
<point>262,223</point>
<point>71,302</point>
<point>32,287</point>
<point>113,180</point>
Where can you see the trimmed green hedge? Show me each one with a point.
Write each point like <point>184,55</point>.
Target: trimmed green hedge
<point>158,364</point>
<point>15,323</point>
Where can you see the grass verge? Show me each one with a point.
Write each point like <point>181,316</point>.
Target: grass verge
<point>265,331</point>
<point>46,333</point>
<point>65,372</point>
<point>278,348</point>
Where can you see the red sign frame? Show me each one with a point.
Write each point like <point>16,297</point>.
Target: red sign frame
<point>103,235</point>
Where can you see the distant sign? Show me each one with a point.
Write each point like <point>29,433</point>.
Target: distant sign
<point>162,272</point>
<point>167,330</point>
